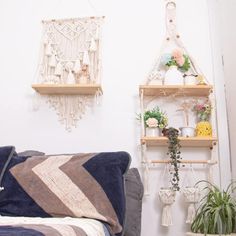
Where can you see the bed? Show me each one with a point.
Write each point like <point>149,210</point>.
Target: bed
<point>69,194</point>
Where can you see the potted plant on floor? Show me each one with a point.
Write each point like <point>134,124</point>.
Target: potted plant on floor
<point>217,212</point>
<point>155,120</point>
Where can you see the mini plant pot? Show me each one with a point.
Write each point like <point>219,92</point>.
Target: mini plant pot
<point>153,131</point>
<point>187,131</point>
<point>173,76</point>
<point>191,196</point>
<point>204,129</point>
<point>167,197</point>
<point>190,80</point>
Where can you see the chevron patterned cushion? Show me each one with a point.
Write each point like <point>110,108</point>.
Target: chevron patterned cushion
<point>82,185</point>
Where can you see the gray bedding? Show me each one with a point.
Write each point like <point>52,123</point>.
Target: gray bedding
<point>134,195</point>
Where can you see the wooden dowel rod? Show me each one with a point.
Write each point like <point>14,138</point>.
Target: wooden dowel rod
<point>185,161</point>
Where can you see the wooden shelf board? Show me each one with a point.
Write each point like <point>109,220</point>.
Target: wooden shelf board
<point>67,89</point>
<point>177,90</point>
<point>184,142</point>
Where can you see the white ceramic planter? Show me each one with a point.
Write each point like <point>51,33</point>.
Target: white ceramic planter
<point>173,76</point>
<point>187,131</point>
<point>153,131</point>
<point>190,80</point>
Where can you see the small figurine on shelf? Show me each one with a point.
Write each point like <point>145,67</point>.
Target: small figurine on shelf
<point>70,76</point>
<point>203,111</point>
<point>201,80</point>
<point>186,131</point>
<point>83,76</point>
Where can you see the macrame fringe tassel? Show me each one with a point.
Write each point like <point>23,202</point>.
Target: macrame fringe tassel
<point>77,66</point>
<point>53,61</point>
<point>58,69</point>
<point>93,46</point>
<point>166,219</point>
<point>70,78</point>
<point>48,50</point>
<point>86,60</point>
<point>191,213</point>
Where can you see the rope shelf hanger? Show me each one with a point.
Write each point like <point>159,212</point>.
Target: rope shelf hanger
<point>172,36</point>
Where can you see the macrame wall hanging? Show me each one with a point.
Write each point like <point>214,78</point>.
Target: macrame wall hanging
<point>70,58</point>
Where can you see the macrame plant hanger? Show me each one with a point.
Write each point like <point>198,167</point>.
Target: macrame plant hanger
<point>167,197</point>
<point>70,54</point>
<point>173,37</point>
<point>191,193</point>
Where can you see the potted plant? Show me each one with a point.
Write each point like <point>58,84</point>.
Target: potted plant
<point>186,131</point>
<point>177,63</point>
<point>203,111</point>
<point>154,120</point>
<point>217,212</point>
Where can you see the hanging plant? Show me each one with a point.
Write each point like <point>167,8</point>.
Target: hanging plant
<point>174,153</point>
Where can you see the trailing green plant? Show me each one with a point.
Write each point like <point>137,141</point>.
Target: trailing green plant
<point>217,211</point>
<point>174,153</point>
<point>155,118</point>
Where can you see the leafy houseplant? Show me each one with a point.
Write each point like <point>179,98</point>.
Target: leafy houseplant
<point>217,212</point>
<point>174,153</point>
<point>155,118</point>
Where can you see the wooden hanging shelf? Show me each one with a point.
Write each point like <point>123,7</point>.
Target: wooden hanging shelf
<point>67,89</point>
<point>176,90</point>
<point>184,141</point>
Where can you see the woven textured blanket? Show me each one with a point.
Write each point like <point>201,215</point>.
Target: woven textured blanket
<point>27,226</point>
<point>82,185</point>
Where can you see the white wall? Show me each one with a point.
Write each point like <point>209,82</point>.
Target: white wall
<point>132,35</point>
<point>228,36</point>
